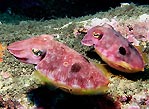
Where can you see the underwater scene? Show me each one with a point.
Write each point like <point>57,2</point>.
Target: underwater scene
<point>92,61</point>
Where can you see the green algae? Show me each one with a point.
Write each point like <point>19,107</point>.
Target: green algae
<point>22,80</point>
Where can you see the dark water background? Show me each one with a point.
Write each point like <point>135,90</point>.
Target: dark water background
<point>47,9</point>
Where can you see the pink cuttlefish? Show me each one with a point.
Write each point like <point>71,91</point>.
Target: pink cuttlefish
<point>114,49</point>
<point>61,65</point>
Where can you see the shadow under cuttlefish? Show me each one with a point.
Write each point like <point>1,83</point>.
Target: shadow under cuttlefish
<point>45,98</point>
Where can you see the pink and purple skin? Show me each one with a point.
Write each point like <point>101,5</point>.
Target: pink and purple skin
<point>114,49</point>
<point>59,63</point>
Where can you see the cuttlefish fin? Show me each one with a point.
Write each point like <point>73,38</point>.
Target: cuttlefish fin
<point>144,55</point>
<point>103,68</point>
<point>43,79</point>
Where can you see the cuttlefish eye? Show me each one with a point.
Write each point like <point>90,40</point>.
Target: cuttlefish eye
<point>97,35</point>
<point>37,52</point>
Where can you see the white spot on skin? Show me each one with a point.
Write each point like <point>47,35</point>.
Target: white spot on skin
<point>48,61</point>
<point>89,84</point>
<point>104,52</point>
<point>45,39</point>
<point>59,69</point>
<point>111,57</point>
<point>61,82</point>
<point>62,78</point>
<point>75,84</point>
<point>107,46</point>
<point>50,76</point>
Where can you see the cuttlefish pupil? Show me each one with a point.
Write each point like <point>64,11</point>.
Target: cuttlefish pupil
<point>37,52</point>
<point>97,35</point>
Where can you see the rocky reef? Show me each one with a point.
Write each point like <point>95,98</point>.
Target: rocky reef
<point>20,89</point>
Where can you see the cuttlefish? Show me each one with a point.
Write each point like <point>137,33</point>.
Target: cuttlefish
<point>114,49</point>
<point>62,66</point>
